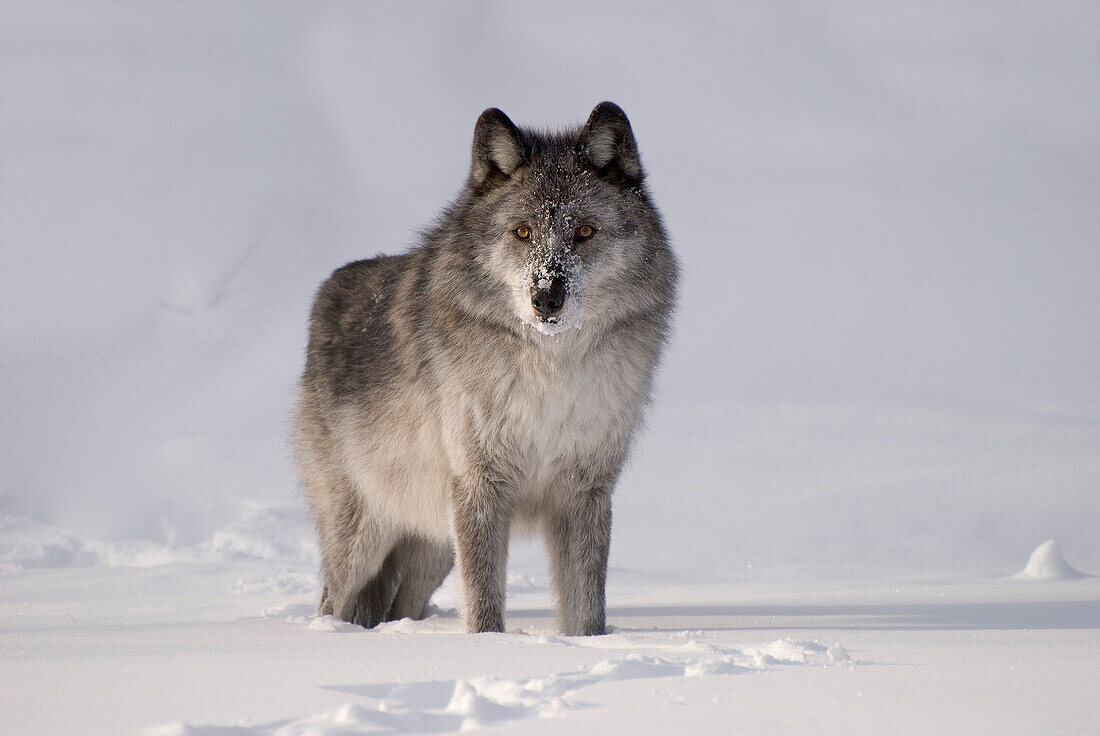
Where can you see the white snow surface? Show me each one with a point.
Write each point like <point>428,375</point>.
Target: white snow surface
<point>883,392</point>
<point>227,649</point>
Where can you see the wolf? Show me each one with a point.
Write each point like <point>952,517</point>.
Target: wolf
<point>489,380</point>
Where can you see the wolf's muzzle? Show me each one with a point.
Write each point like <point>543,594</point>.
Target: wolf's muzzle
<point>548,301</point>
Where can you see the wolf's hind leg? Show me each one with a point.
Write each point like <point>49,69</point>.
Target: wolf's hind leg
<point>423,565</point>
<point>359,588</point>
<point>375,598</point>
<point>354,548</point>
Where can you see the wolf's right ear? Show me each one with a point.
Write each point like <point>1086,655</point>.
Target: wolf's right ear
<point>498,148</point>
<point>606,143</point>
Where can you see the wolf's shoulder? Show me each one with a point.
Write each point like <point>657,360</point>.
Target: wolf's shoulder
<point>353,278</point>
<point>351,340</point>
<point>351,306</point>
<point>358,289</point>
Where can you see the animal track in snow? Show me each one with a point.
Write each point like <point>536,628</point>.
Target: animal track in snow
<point>451,706</point>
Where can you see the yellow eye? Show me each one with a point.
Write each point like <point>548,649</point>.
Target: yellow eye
<point>584,232</point>
<point>523,232</point>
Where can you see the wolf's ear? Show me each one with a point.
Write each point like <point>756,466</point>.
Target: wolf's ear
<point>606,144</point>
<point>498,147</point>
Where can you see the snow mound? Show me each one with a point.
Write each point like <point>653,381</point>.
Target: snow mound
<point>837,654</point>
<point>635,667</point>
<point>440,622</point>
<point>279,533</point>
<point>273,532</point>
<point>446,622</point>
<point>482,701</point>
<point>333,625</point>
<point>521,583</point>
<point>1048,563</point>
<point>26,543</point>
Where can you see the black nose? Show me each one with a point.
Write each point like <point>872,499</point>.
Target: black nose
<point>548,301</point>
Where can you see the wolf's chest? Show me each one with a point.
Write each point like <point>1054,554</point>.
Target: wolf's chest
<point>556,415</point>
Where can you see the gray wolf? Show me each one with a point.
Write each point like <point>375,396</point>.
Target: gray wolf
<point>489,380</point>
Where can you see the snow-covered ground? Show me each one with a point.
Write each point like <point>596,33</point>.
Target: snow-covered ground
<point>884,393</point>
<point>232,647</point>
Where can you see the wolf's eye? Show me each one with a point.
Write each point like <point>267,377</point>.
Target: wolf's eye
<point>523,232</point>
<point>584,232</point>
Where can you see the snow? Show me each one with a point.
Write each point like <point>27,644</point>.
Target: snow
<point>1048,563</point>
<point>882,393</point>
<point>190,649</point>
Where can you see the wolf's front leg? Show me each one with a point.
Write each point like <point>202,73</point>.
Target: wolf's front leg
<point>578,536</point>
<point>482,518</point>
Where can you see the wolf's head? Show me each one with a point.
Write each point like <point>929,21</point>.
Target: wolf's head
<point>560,228</point>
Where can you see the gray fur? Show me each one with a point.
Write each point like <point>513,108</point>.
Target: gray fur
<point>440,410</point>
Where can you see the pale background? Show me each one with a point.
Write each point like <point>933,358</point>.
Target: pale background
<point>887,350</point>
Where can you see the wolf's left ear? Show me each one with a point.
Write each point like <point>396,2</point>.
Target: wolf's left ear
<point>606,143</point>
<point>498,148</point>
